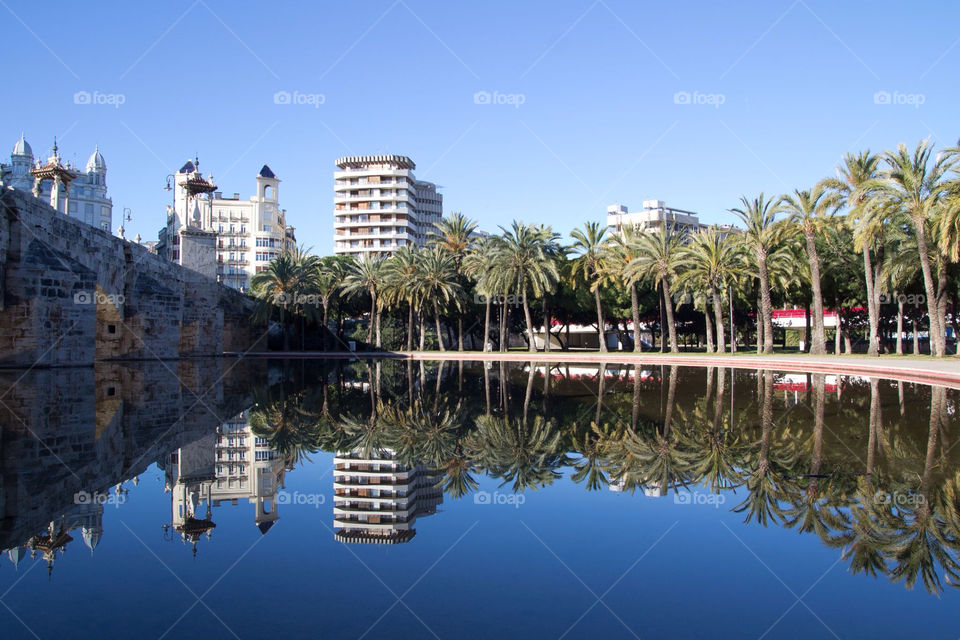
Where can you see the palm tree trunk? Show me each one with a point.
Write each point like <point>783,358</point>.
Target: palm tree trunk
<point>601,334</point>
<point>486,324</point>
<point>326,329</point>
<point>503,324</point>
<point>837,331</point>
<point>919,227</point>
<point>872,350</point>
<point>283,325</point>
<point>766,307</point>
<point>899,327</point>
<point>635,313</point>
<point>436,317</point>
<point>668,306</point>
<point>663,323</point>
<point>423,329</point>
<point>459,332</point>
<point>760,331</point>
<point>708,323</point>
<point>546,327</point>
<point>916,339</point>
<point>818,342</point>
<point>718,317</point>
<point>410,328</point>
<point>373,312</point>
<point>379,335</point>
<point>529,320</point>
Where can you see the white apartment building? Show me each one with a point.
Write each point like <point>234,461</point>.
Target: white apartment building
<point>250,233</point>
<point>377,500</point>
<point>654,216</point>
<point>379,205</point>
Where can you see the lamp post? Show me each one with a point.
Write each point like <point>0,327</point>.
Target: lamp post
<point>124,219</point>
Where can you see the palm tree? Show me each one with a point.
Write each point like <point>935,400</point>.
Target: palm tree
<point>619,253</point>
<point>657,256</point>
<point>808,210</point>
<point>402,273</point>
<point>525,260</point>
<point>856,186</point>
<point>324,282</point>
<point>761,237</point>
<point>438,283</point>
<point>367,276</point>
<point>710,261</point>
<point>480,265</point>
<point>280,285</point>
<point>918,187</point>
<point>455,234</point>
<point>589,243</point>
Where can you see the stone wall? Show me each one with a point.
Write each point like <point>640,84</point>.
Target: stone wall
<point>68,430</point>
<point>71,294</point>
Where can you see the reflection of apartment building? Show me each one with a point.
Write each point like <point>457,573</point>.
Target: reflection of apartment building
<point>226,467</point>
<point>377,500</point>
<point>654,216</point>
<point>379,205</point>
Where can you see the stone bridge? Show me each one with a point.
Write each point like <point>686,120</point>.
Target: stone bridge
<point>71,294</point>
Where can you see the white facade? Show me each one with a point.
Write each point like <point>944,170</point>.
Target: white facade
<point>379,205</point>
<point>87,196</point>
<point>377,500</point>
<point>250,233</point>
<point>654,216</point>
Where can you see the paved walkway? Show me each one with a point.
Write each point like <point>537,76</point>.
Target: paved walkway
<point>944,371</point>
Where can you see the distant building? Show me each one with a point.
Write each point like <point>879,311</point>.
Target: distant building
<point>654,216</point>
<point>249,233</point>
<point>377,499</point>
<point>379,205</point>
<point>82,194</point>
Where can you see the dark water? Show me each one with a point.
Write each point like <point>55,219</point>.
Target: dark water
<point>222,499</point>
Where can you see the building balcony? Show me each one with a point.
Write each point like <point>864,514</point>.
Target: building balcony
<point>372,481</point>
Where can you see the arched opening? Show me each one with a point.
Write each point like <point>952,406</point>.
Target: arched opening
<point>267,192</point>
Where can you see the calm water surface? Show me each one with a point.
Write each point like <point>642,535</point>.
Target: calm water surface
<point>311,499</point>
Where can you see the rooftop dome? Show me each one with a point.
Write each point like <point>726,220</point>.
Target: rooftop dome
<point>22,148</point>
<point>96,162</point>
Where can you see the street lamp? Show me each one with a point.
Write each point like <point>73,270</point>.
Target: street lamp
<point>124,219</point>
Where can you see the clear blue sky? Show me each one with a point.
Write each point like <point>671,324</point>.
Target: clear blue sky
<point>599,121</point>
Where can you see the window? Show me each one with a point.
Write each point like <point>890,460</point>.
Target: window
<point>266,228</point>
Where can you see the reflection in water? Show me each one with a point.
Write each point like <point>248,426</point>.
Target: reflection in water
<point>865,465</point>
<point>230,465</point>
